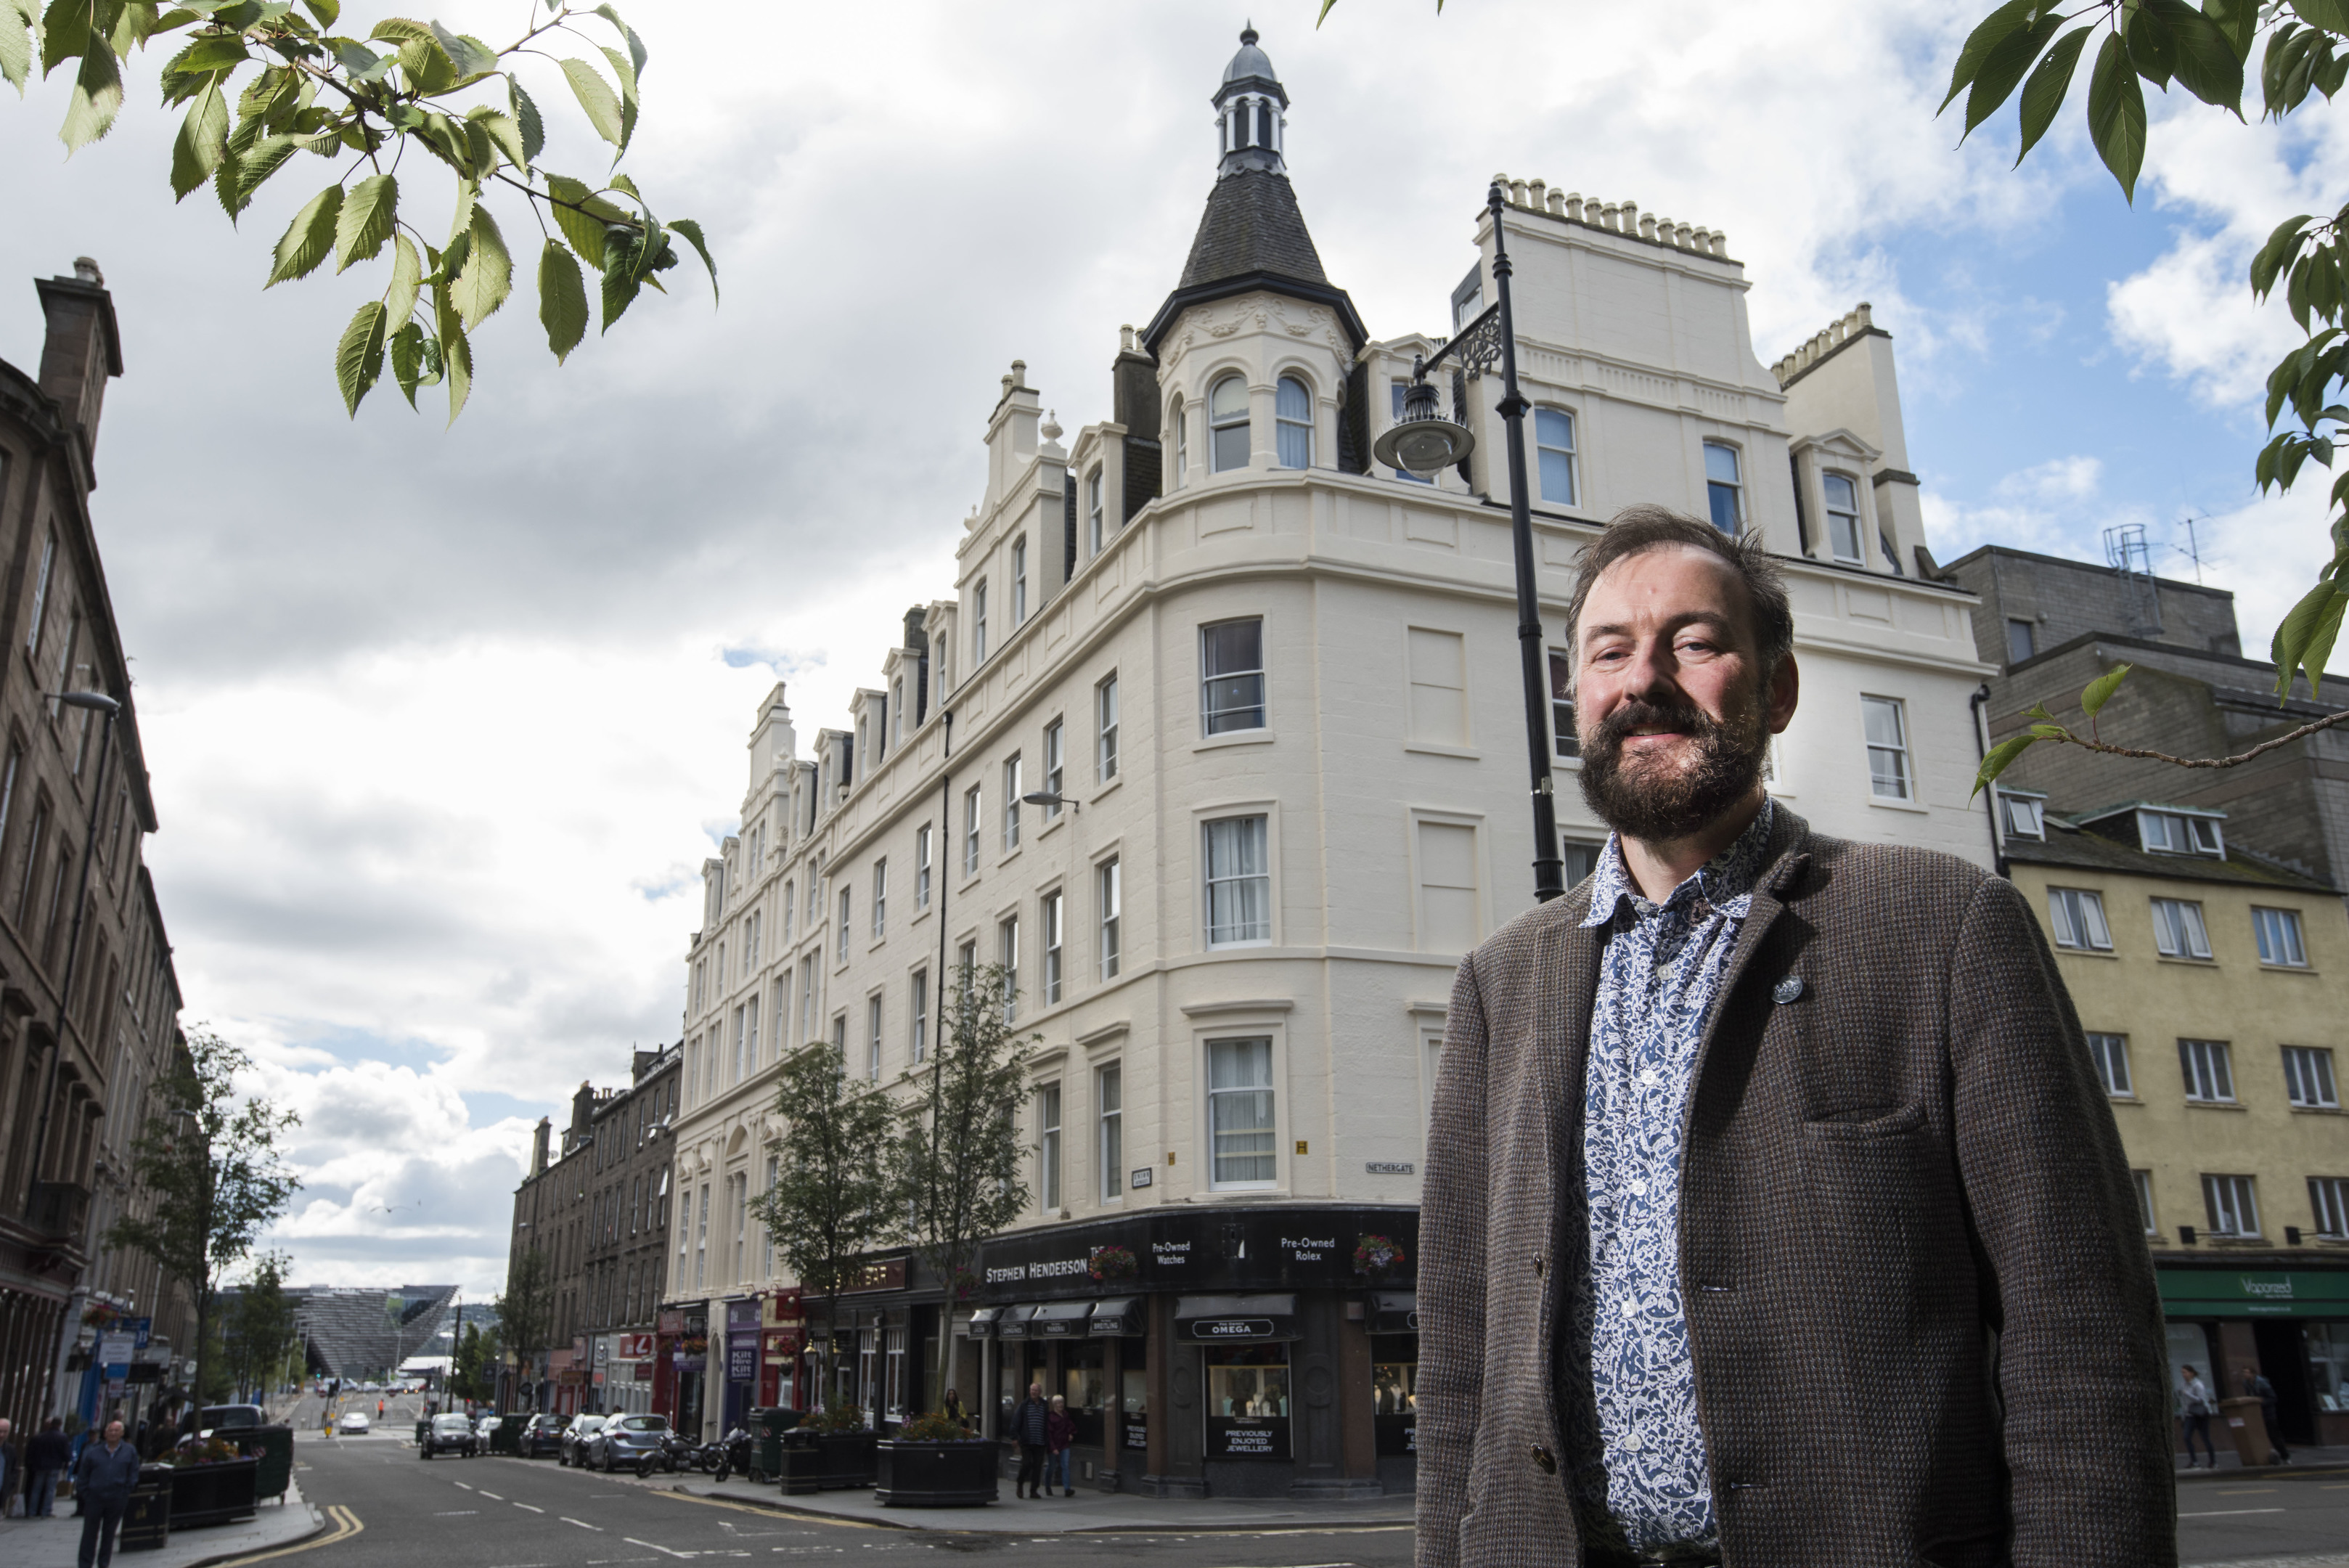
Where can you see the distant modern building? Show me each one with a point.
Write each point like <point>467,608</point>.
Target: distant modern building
<point>596,1208</point>
<point>88,1002</point>
<point>1218,747</point>
<point>366,1332</point>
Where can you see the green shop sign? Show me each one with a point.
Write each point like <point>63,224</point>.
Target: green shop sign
<point>2226,1292</point>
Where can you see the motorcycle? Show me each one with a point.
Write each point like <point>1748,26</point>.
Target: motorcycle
<point>734,1452</point>
<point>678,1452</point>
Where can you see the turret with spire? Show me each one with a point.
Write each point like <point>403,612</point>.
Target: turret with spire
<point>1251,110</point>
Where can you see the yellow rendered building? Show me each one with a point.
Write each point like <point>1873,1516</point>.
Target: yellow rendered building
<point>2213,985</point>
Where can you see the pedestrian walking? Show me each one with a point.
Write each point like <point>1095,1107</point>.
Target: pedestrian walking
<point>2194,1407</point>
<point>2261,1389</point>
<point>103,1480</point>
<point>1060,1432</point>
<point>47,1458</point>
<point>10,1464</point>
<point>953,1411</point>
<point>1031,1428</point>
<point>1768,1088</point>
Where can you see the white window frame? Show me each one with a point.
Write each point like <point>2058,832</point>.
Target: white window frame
<point>1736,487</point>
<point>1269,1088</point>
<point>872,1021</point>
<point>1898,753</point>
<point>1845,520</point>
<point>1011,792</point>
<point>1109,895</point>
<point>1050,1195</point>
<point>1020,580</point>
<point>2110,1052</point>
<point>2231,1204</point>
<point>2180,931</point>
<point>2208,1068</point>
<point>978,623</point>
<point>1054,911</point>
<point>1056,760</point>
<point>1209,713</point>
<point>2328,1203</point>
<point>1109,1131</point>
<point>846,904</point>
<point>1286,425</point>
<point>917,1032</point>
<point>1218,424</point>
<point>880,897</point>
<point>972,806</point>
<point>1093,513</point>
<point>2308,1078</point>
<point>2280,937</point>
<point>1544,446</point>
<point>1006,953</point>
<point>1238,835</point>
<point>2022,816</point>
<point>2143,1181</point>
<point>2076,916</point>
<point>922,854</point>
<point>1105,721</point>
<point>1178,416</point>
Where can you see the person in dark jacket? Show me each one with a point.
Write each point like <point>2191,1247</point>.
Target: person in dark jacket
<point>2261,1389</point>
<point>1031,1428</point>
<point>1060,1432</point>
<point>46,1456</point>
<point>103,1480</point>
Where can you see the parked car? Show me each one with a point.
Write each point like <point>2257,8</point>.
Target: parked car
<point>226,1417</point>
<point>354,1424</point>
<point>541,1436</point>
<point>483,1425</point>
<point>448,1435</point>
<point>573,1450</point>
<point>630,1442</point>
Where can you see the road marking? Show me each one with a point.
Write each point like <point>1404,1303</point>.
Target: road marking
<point>2243,1490</point>
<point>599,1529</point>
<point>770,1512</point>
<point>347,1525</point>
<point>533,1509</point>
<point>493,1497</point>
<point>633,1542</point>
<point>467,1487</point>
<point>457,1513</point>
<point>2224,1512</point>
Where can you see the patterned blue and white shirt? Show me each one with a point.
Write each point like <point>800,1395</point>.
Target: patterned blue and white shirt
<point>1635,1445</point>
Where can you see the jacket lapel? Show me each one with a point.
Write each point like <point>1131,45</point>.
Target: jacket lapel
<point>1790,838</point>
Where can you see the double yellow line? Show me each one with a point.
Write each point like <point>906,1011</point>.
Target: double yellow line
<point>345,1525</point>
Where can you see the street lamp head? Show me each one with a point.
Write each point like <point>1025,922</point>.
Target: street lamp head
<point>1046,797</point>
<point>1423,442</point>
<point>96,701</point>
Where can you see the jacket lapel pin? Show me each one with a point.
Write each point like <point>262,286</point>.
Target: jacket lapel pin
<point>1788,990</point>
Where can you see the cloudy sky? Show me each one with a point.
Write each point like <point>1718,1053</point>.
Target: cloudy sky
<point>443,722</point>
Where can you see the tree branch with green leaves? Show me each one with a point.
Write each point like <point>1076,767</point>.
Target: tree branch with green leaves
<point>364,104</point>
<point>2034,46</point>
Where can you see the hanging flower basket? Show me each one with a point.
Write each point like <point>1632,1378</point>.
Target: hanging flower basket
<point>966,1284</point>
<point>1378,1255</point>
<point>1113,1262</point>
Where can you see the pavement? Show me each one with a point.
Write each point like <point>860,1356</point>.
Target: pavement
<point>56,1543</point>
<point>1088,1512</point>
<point>2305,1460</point>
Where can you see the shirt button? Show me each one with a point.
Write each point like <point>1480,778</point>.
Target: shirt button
<point>1639,1188</point>
<point>1631,1443</point>
<point>1542,1457</point>
<point>1651,1077</point>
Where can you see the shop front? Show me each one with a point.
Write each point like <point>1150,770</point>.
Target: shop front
<point>741,1363</point>
<point>782,1339</point>
<point>1252,1352</point>
<point>2289,1322</point>
<point>690,1362</point>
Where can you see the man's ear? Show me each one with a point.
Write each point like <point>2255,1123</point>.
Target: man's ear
<point>1785,686</point>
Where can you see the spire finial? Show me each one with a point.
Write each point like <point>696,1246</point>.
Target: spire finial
<point>1247,33</point>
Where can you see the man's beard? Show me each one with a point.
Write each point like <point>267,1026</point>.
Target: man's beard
<point>1644,800</point>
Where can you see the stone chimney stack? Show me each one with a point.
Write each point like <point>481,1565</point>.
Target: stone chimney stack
<point>82,351</point>
<point>538,1151</point>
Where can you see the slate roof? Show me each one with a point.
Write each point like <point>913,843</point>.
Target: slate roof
<point>1252,226</point>
<point>2072,846</point>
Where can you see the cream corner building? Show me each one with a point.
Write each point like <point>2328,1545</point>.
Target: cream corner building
<point>1277,689</point>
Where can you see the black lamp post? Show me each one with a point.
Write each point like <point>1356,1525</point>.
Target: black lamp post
<point>1424,443</point>
<point>97,702</point>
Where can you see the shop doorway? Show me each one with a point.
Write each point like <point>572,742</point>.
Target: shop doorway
<point>2284,1361</point>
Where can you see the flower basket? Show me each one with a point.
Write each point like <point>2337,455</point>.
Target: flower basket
<point>1113,1262</point>
<point>1378,1255</point>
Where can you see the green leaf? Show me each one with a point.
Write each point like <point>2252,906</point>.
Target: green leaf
<point>307,238</point>
<point>96,99</point>
<point>503,132</point>
<point>328,12</point>
<point>534,129</point>
<point>209,52</point>
<point>2281,247</point>
<point>621,284</point>
<point>1991,31</point>
<point>2238,20</point>
<point>471,57</point>
<point>561,299</point>
<point>2042,95</point>
<point>2206,64</point>
<point>628,75</point>
<point>2116,114</point>
<point>2152,47</point>
<point>456,364</point>
<point>202,144</point>
<point>2100,691</point>
<point>488,274</point>
<point>363,63</point>
<point>367,219</point>
<point>407,278</point>
<point>584,217</point>
<point>2049,731</point>
<point>19,29</point>
<point>408,346</point>
<point>596,98</point>
<point>63,33</point>
<point>2039,710</point>
<point>636,45</point>
<point>2304,639</point>
<point>358,357</point>
<point>2003,67</point>
<point>2333,15</point>
<point>692,232</point>
<point>242,174</point>
<point>2004,753</point>
<point>427,65</point>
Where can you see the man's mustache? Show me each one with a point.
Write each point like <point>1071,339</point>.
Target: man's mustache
<point>1640,714</point>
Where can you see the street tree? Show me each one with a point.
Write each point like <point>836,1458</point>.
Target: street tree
<point>956,1160</point>
<point>2033,45</point>
<point>258,1330</point>
<point>208,1161</point>
<point>525,1308</point>
<point>830,1202</point>
<point>264,79</point>
<point>473,1370</point>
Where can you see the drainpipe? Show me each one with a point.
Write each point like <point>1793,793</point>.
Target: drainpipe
<point>1989,796</point>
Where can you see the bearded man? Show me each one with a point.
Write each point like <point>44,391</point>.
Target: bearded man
<point>1775,1216</point>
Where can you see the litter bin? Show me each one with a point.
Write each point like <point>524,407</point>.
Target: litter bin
<point>273,1447</point>
<point>147,1522</point>
<point>505,1438</point>
<point>767,1425</point>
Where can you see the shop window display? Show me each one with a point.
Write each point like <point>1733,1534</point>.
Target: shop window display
<point>1247,1402</point>
<point>1133,1376</point>
<point>2328,1364</point>
<point>1084,1382</point>
<point>1394,1392</point>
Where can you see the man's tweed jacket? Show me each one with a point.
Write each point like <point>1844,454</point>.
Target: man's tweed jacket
<point>1920,1308</point>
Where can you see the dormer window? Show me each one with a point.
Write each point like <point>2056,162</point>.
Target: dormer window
<point>1227,424</point>
<point>1093,513</point>
<point>2022,815</point>
<point>1843,516</point>
<point>2177,832</point>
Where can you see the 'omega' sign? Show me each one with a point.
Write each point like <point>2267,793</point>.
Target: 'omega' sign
<point>1232,1328</point>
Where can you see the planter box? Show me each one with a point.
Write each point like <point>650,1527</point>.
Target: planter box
<point>827,1461</point>
<point>213,1494</point>
<point>958,1474</point>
